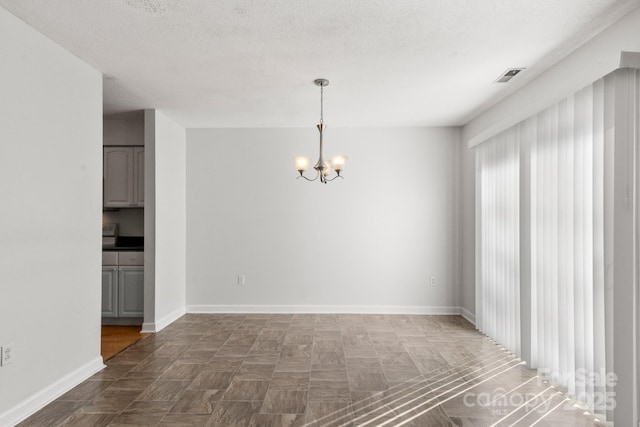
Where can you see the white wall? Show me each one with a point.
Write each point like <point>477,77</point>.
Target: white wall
<point>123,129</point>
<point>595,59</point>
<point>50,187</point>
<point>369,242</point>
<point>149,322</point>
<point>170,206</point>
<point>165,221</point>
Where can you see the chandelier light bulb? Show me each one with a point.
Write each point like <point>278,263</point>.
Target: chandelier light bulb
<point>338,162</point>
<point>302,163</point>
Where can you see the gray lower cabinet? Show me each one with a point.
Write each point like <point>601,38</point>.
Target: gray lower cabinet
<point>122,288</point>
<point>109,291</point>
<point>130,291</point>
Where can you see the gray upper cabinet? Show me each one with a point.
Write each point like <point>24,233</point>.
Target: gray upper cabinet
<point>123,171</point>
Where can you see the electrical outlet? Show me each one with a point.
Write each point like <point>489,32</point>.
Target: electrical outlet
<point>6,355</point>
<point>241,279</point>
<point>433,281</point>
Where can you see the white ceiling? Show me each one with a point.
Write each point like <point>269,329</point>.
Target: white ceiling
<point>250,63</point>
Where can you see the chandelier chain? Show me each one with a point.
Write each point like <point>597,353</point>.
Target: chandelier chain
<point>321,104</point>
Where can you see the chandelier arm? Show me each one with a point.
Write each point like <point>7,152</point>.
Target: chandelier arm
<point>337,176</point>
<point>302,176</point>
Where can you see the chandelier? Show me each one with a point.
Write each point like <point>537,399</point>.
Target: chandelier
<point>322,168</point>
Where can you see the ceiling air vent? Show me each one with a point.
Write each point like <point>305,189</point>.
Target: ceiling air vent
<point>508,75</point>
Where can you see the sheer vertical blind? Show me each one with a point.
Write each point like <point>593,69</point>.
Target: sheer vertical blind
<point>565,145</point>
<point>567,262</point>
<point>498,309</point>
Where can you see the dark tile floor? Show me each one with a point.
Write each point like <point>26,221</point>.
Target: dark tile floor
<point>313,370</point>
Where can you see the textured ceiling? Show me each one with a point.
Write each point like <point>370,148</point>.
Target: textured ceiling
<point>250,63</point>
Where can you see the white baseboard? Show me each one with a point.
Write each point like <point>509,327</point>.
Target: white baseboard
<point>468,315</point>
<point>48,394</point>
<point>341,309</point>
<point>160,324</point>
<point>148,328</point>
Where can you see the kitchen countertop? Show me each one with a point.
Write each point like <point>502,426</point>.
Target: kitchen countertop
<point>122,248</point>
<point>126,243</point>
